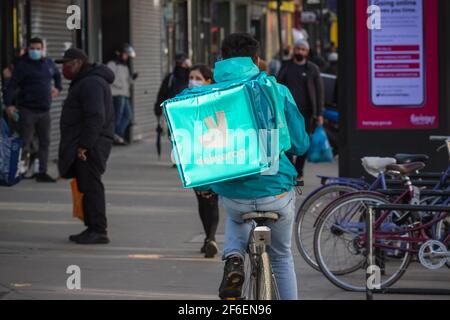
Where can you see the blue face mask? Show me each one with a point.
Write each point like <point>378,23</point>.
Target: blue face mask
<point>35,54</point>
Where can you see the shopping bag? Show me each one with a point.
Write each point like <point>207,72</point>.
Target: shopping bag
<point>77,199</point>
<point>10,156</point>
<point>320,149</point>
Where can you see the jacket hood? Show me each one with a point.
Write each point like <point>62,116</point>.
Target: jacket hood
<point>99,70</point>
<point>235,69</point>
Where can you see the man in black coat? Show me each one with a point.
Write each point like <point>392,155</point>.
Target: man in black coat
<point>87,131</point>
<point>174,82</point>
<point>302,77</point>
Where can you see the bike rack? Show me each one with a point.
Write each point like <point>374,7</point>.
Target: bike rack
<point>374,209</point>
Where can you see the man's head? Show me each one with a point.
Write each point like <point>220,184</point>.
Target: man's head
<point>183,61</point>
<point>125,52</point>
<point>73,60</point>
<point>301,50</point>
<point>36,48</point>
<point>240,45</point>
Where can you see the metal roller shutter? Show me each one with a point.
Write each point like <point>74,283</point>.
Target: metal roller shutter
<point>48,21</point>
<point>146,39</point>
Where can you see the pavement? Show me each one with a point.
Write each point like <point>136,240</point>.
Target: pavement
<point>155,236</point>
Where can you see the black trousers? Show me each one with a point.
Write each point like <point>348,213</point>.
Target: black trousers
<point>299,161</point>
<point>89,181</point>
<point>35,123</point>
<point>209,214</point>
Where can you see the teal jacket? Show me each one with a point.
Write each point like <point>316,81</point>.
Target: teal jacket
<point>260,186</point>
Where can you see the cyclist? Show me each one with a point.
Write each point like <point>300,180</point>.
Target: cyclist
<point>259,192</point>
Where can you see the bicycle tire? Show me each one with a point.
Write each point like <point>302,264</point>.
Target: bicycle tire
<point>304,231</point>
<point>332,277</point>
<point>264,278</point>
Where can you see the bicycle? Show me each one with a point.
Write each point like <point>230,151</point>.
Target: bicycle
<point>333,188</point>
<point>313,205</point>
<point>260,282</point>
<point>397,236</point>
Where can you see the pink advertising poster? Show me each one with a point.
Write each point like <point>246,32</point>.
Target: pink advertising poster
<point>397,65</point>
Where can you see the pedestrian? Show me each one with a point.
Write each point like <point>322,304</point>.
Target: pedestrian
<point>208,201</point>
<point>87,134</point>
<point>259,192</point>
<point>302,77</point>
<point>174,82</point>
<point>121,90</point>
<point>32,77</point>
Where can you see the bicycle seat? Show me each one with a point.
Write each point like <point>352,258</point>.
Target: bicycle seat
<point>403,158</point>
<point>260,216</point>
<point>406,169</point>
<point>375,165</point>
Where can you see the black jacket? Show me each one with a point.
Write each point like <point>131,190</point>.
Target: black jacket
<point>315,85</point>
<point>34,81</point>
<point>172,85</point>
<point>87,119</point>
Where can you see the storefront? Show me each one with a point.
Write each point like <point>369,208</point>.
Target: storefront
<point>198,27</point>
<point>106,24</point>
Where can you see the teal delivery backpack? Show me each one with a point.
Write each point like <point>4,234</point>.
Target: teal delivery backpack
<point>227,130</point>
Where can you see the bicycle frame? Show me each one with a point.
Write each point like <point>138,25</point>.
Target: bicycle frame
<point>397,235</point>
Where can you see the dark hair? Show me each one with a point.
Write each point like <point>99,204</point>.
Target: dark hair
<point>37,40</point>
<point>180,58</point>
<point>240,45</point>
<point>204,70</point>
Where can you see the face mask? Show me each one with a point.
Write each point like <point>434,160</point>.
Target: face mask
<point>68,72</point>
<point>299,57</point>
<point>35,54</point>
<point>195,83</point>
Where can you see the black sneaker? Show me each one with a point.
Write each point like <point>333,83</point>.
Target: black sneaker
<point>92,237</point>
<point>233,278</point>
<point>74,237</point>
<point>44,177</point>
<point>211,249</point>
<point>203,248</point>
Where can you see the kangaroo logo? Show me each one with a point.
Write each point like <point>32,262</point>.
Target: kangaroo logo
<point>216,136</point>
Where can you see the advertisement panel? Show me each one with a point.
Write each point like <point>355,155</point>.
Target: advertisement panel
<point>397,64</point>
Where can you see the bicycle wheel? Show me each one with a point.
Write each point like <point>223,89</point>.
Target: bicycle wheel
<point>306,218</point>
<point>339,243</point>
<point>264,283</point>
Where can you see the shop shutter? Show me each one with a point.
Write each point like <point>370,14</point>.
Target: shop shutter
<point>146,24</point>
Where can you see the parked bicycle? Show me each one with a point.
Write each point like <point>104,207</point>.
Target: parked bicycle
<point>334,188</point>
<point>339,240</point>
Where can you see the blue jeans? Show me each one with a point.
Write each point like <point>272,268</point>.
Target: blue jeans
<point>237,233</point>
<point>123,114</point>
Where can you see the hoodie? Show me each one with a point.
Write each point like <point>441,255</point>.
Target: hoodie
<point>123,81</point>
<point>87,118</point>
